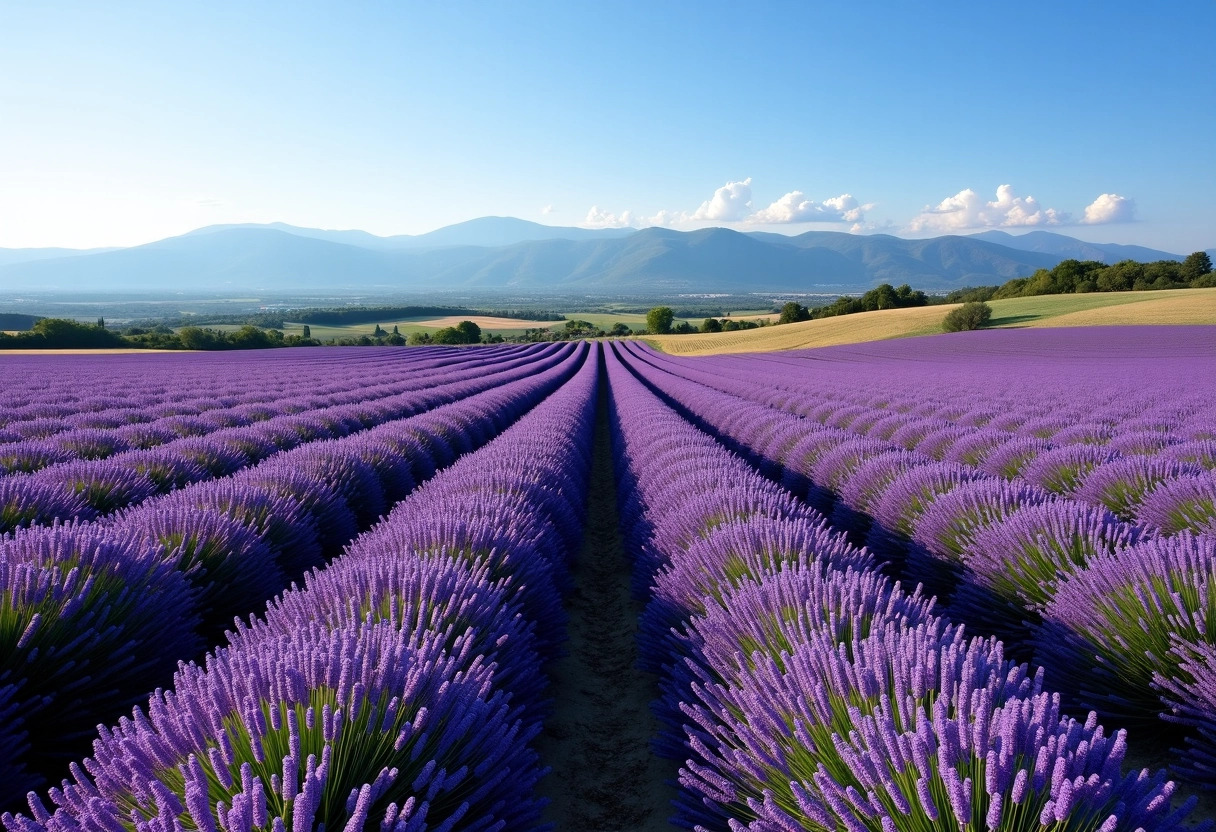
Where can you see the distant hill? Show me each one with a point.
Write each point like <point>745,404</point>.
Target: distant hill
<point>255,259</point>
<point>1067,247</point>
<point>8,256</point>
<point>502,253</point>
<point>484,232</point>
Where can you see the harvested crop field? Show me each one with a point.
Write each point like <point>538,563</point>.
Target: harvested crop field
<point>1174,306</point>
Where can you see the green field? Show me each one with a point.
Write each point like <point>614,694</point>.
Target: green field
<point>1024,311</point>
<point>605,320</point>
<point>406,326</point>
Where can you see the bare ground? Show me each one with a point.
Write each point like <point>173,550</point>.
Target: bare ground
<point>597,741</point>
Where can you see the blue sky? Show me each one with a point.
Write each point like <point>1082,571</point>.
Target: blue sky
<point>121,123</point>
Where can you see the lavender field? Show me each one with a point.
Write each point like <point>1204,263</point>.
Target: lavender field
<point>963,582</point>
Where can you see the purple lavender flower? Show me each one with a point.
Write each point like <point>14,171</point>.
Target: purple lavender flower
<point>1186,503</point>
<point>90,626</point>
<point>1111,628</point>
<point>1064,469</point>
<point>1012,567</point>
<point>1122,484</point>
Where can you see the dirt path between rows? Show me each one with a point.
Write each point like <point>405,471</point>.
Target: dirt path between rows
<point>597,741</point>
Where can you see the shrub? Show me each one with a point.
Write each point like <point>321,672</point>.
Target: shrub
<point>1014,565</point>
<point>971,315</point>
<point>1181,504</point>
<point>735,554</point>
<point>88,625</point>
<point>350,728</point>
<point>1109,634</point>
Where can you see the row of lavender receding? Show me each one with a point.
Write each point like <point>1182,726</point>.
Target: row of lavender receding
<point>803,690</point>
<point>49,393</point>
<point>130,400</point>
<point>398,688</point>
<point>296,415</point>
<point>1120,617</point>
<point>93,616</point>
<point>1145,451</point>
<point>88,489</point>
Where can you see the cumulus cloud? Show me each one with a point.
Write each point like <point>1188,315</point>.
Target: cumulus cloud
<point>733,201</point>
<point>795,207</point>
<point>667,219</point>
<point>1109,208</point>
<point>967,209</point>
<point>597,218</point>
<point>546,211</point>
<point>884,227</point>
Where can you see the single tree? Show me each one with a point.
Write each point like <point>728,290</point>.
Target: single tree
<point>470,331</point>
<point>711,325</point>
<point>620,330</point>
<point>792,312</point>
<point>659,320</point>
<point>1196,265</point>
<point>971,315</point>
<point>307,331</point>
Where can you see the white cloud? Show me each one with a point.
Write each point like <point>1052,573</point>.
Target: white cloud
<point>546,211</point>
<point>731,202</point>
<point>885,227</point>
<point>967,209</point>
<point>795,207</point>
<point>1109,208</point>
<point>667,219</point>
<point>597,218</point>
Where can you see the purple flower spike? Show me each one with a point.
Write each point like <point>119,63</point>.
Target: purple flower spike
<point>1113,632</point>
<point>1188,503</point>
<point>1012,567</point>
<point>93,625</point>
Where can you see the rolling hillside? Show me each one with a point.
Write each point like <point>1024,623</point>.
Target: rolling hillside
<point>1175,306</point>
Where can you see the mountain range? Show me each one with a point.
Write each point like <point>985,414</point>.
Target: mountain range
<point>504,253</point>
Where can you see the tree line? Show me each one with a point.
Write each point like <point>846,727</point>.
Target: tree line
<point>1080,276</point>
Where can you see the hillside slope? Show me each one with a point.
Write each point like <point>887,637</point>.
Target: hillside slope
<point>1175,306</point>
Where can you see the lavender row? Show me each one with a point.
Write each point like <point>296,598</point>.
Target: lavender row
<point>85,490</point>
<point>93,616</point>
<point>302,408</point>
<point>1064,385</point>
<point>399,687</point>
<point>1151,463</point>
<point>119,387</point>
<point>1115,614</point>
<point>811,692</point>
<point>49,393</point>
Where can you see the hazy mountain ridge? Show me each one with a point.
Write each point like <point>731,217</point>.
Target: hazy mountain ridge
<point>1048,242</point>
<point>9,256</point>
<point>485,232</point>
<point>507,253</point>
